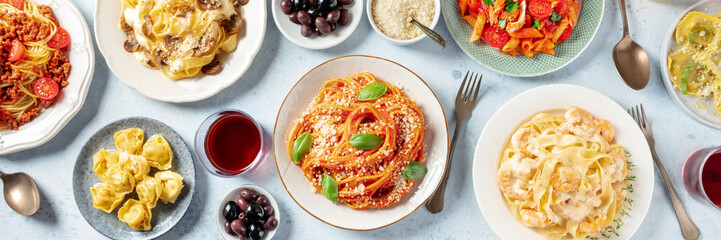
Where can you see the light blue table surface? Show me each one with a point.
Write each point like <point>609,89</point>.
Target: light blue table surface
<point>280,64</point>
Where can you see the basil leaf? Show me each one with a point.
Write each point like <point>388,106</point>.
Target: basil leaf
<point>536,24</point>
<point>414,170</point>
<point>330,188</point>
<point>502,24</point>
<point>372,91</point>
<point>511,6</point>
<point>690,36</point>
<point>489,2</point>
<point>301,146</point>
<point>365,141</point>
<point>684,84</point>
<point>555,17</point>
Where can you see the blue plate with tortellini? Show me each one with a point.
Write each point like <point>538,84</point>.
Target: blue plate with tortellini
<point>134,179</point>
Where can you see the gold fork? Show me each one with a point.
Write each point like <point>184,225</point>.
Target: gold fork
<point>688,228</point>
<point>465,102</point>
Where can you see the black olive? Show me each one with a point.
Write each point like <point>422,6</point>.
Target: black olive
<point>262,200</point>
<point>286,6</point>
<point>314,12</point>
<point>230,211</point>
<point>254,212</point>
<point>255,231</point>
<point>248,194</point>
<point>300,4</point>
<point>328,5</point>
<point>268,210</point>
<point>270,224</point>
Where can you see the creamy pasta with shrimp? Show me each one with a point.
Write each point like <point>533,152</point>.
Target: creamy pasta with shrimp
<point>562,175</point>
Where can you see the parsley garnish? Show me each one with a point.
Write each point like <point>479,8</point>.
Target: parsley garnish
<point>511,6</point>
<point>489,2</point>
<point>536,24</point>
<point>555,17</point>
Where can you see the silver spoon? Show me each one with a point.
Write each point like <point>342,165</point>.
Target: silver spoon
<point>433,35</point>
<point>21,193</point>
<point>630,59</point>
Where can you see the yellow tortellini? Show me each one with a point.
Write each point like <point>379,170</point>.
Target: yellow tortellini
<point>135,214</point>
<point>120,180</point>
<point>128,170</point>
<point>149,190</point>
<point>105,198</point>
<point>129,140</point>
<point>135,165</point>
<point>102,161</point>
<point>172,183</point>
<point>158,153</point>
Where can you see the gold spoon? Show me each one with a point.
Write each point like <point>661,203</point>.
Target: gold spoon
<point>630,59</point>
<point>21,193</point>
<point>433,35</point>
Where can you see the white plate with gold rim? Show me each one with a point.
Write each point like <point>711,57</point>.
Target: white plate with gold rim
<point>152,83</point>
<point>436,142</point>
<point>82,60</point>
<point>551,97</point>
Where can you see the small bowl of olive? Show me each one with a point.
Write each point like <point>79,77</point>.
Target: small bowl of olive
<point>248,212</point>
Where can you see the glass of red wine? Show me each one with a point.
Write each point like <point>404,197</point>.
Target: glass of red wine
<point>229,143</point>
<point>702,176</point>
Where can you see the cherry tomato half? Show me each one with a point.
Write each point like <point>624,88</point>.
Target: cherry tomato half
<point>496,37</point>
<point>60,40</point>
<point>46,88</point>
<point>17,50</point>
<point>562,7</point>
<point>565,34</point>
<point>19,4</point>
<point>540,8</point>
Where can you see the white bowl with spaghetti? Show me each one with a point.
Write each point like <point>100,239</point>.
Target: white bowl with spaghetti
<point>151,82</point>
<point>436,16</point>
<point>82,59</point>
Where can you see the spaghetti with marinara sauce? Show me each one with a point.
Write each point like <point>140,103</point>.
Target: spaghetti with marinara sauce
<point>365,178</point>
<point>33,65</point>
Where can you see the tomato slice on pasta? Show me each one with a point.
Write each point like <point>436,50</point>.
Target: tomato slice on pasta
<point>60,40</point>
<point>17,50</point>
<point>540,8</point>
<point>565,34</point>
<point>562,7</point>
<point>496,37</point>
<point>46,88</point>
<point>15,3</point>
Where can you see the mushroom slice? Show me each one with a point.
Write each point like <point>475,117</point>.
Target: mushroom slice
<point>159,57</point>
<point>124,24</point>
<point>238,3</point>
<point>131,44</point>
<point>208,4</point>
<point>180,10</point>
<point>147,25</point>
<point>205,45</point>
<point>172,42</point>
<point>233,24</point>
<point>213,67</point>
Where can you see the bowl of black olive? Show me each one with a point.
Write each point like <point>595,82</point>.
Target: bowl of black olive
<point>248,212</point>
<point>317,24</point>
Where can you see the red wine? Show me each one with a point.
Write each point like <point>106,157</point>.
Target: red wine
<point>711,178</point>
<point>232,143</point>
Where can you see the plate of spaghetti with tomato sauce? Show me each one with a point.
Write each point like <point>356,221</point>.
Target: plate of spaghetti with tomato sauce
<point>360,142</point>
<point>46,65</point>
<point>523,38</point>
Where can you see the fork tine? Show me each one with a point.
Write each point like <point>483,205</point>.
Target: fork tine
<point>645,120</point>
<point>638,117</point>
<point>469,87</point>
<point>478,87</point>
<point>463,85</point>
<point>632,112</point>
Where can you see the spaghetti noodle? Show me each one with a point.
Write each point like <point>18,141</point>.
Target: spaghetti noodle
<point>33,67</point>
<point>365,178</point>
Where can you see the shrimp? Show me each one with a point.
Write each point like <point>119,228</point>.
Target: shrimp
<point>591,226</point>
<point>534,218</point>
<point>606,129</point>
<point>578,116</point>
<point>617,170</point>
<point>571,209</point>
<point>565,179</point>
<point>507,178</point>
<point>618,189</point>
<point>521,139</point>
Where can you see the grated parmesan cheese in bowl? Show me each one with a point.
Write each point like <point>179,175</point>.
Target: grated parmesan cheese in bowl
<point>392,18</point>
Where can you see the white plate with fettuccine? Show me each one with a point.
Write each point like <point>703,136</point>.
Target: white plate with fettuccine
<point>582,167</point>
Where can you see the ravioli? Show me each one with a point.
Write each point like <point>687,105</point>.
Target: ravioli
<point>129,140</point>
<point>704,28</point>
<point>102,161</point>
<point>136,165</point>
<point>105,198</point>
<point>120,180</point>
<point>158,153</point>
<point>135,214</point>
<point>149,190</point>
<point>172,184</point>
